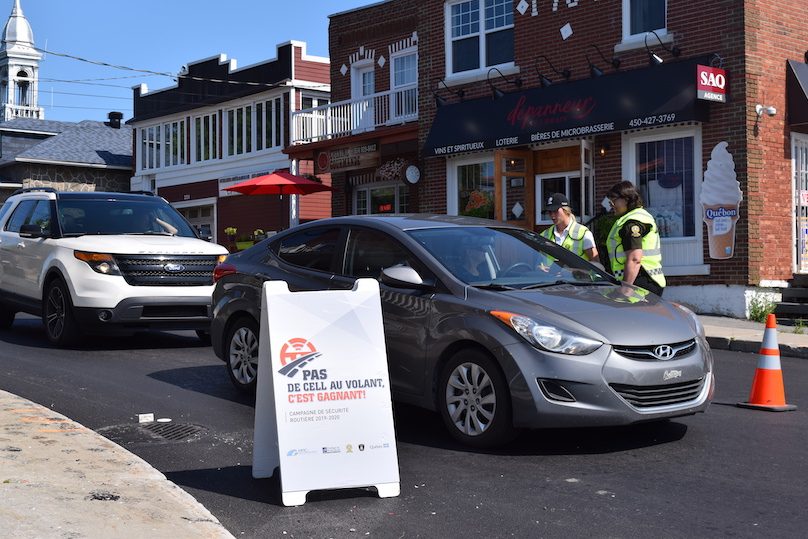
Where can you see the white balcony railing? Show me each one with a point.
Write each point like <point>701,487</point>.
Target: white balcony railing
<point>354,116</point>
<point>19,111</point>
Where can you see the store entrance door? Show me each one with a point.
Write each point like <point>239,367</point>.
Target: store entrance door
<point>799,153</point>
<point>513,193</point>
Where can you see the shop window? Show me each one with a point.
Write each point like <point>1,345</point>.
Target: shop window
<point>642,16</point>
<point>479,35</point>
<point>380,199</point>
<point>475,189</point>
<point>665,178</point>
<point>665,165</point>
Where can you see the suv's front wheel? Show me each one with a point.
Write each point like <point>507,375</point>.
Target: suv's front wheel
<point>61,327</point>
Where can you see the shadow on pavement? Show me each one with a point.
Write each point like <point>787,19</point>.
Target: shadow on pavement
<point>208,379</point>
<point>31,333</point>
<point>238,482</point>
<point>422,427</point>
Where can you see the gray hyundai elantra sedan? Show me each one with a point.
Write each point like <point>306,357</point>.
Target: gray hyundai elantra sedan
<point>490,325</point>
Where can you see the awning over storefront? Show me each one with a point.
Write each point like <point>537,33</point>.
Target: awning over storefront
<point>648,97</point>
<point>797,94</point>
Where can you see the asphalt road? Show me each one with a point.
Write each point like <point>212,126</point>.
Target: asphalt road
<point>730,472</point>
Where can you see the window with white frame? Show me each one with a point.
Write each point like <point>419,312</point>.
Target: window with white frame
<point>380,199</point>
<point>206,137</point>
<point>404,78</point>
<point>479,34</point>
<point>174,137</point>
<point>269,123</point>
<point>642,16</point>
<point>316,123</point>
<point>150,147</point>
<point>470,187</point>
<point>239,130</point>
<point>665,165</point>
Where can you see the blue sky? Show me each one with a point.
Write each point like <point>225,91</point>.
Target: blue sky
<point>156,35</point>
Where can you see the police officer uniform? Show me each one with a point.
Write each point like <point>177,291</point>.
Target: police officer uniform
<point>636,229</point>
<point>576,237</point>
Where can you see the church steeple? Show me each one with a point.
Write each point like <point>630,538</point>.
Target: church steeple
<point>19,69</point>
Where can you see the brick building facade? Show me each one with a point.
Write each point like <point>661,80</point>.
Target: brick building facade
<point>221,125</point>
<point>637,119</point>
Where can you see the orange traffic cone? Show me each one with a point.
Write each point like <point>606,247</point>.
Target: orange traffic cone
<point>767,387</point>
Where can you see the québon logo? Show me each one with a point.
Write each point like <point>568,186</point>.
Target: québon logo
<point>711,213</point>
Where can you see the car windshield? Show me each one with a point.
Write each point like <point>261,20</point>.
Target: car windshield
<point>150,216</point>
<point>495,257</point>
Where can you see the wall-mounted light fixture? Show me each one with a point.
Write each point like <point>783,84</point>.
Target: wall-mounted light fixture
<point>760,110</point>
<point>615,61</point>
<point>544,81</point>
<point>441,101</point>
<point>603,149</point>
<point>496,92</point>
<point>654,58</point>
<point>594,71</point>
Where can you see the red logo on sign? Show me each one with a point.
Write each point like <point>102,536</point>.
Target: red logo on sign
<point>295,348</point>
<point>323,161</point>
<point>711,83</point>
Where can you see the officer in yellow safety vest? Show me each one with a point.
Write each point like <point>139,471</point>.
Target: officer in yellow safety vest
<point>633,244</point>
<point>566,231</point>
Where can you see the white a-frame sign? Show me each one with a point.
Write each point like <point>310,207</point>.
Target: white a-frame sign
<point>323,412</point>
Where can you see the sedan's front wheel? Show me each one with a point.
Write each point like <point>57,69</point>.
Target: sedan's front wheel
<point>241,351</point>
<point>474,401</point>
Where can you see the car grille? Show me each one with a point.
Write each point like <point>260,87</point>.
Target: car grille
<point>150,270</point>
<point>650,396</point>
<point>647,353</point>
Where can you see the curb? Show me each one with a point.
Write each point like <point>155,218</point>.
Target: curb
<point>741,345</point>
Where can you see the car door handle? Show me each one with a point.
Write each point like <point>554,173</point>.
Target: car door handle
<point>21,245</point>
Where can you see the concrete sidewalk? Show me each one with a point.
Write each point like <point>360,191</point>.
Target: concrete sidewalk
<point>746,336</point>
<point>58,478</point>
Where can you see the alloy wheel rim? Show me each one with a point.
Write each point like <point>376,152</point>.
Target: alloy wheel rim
<point>470,399</point>
<point>244,356</point>
<point>55,314</point>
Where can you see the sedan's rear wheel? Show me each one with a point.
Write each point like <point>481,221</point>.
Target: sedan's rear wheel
<point>241,351</point>
<point>61,327</point>
<point>474,401</point>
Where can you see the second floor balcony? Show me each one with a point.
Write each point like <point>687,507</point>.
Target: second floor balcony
<point>354,116</point>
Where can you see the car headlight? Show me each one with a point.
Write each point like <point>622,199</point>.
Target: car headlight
<point>100,262</point>
<point>694,319</point>
<point>548,337</point>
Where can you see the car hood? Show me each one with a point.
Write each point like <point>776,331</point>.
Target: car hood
<point>143,244</point>
<point>605,313</point>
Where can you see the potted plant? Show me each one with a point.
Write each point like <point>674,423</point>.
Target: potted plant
<point>479,204</point>
<point>231,232</point>
<point>258,234</point>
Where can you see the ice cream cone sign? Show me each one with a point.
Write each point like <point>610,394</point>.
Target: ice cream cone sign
<point>720,201</point>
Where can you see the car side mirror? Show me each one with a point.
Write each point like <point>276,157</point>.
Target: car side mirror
<point>33,231</point>
<point>404,277</point>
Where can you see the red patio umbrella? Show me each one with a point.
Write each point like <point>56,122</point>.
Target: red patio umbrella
<point>278,183</point>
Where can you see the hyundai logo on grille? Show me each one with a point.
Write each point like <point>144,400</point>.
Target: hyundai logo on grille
<point>663,352</point>
<point>176,268</point>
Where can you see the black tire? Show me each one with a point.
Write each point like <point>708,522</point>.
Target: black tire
<point>241,353</point>
<point>61,327</point>
<point>204,336</point>
<point>474,400</point>
<point>6,316</point>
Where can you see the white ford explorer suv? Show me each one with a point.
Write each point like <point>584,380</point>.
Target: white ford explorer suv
<point>103,263</point>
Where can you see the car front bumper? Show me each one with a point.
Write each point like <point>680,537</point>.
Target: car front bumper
<point>135,314</point>
<point>604,388</point>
